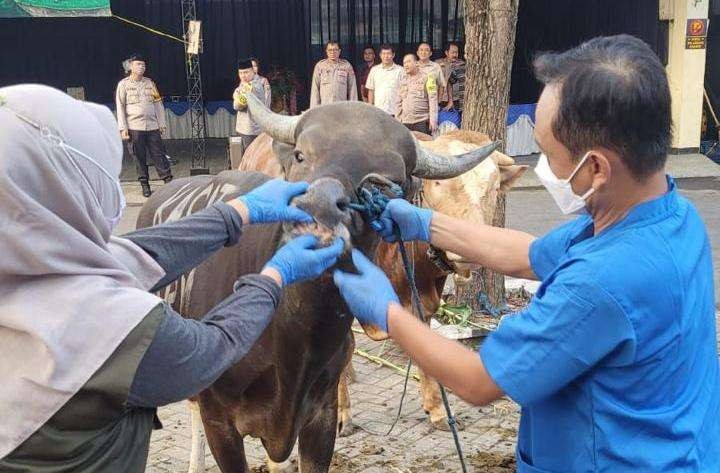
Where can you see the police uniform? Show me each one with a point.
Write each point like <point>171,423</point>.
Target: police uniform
<point>417,101</point>
<point>454,72</point>
<point>140,111</point>
<point>333,81</point>
<point>244,125</point>
<point>434,70</point>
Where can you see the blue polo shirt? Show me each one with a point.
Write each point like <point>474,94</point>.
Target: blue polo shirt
<point>614,361</point>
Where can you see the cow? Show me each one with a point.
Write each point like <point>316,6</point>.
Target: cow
<point>471,196</point>
<point>285,389</point>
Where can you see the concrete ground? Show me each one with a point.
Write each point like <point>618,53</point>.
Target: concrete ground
<point>489,437</point>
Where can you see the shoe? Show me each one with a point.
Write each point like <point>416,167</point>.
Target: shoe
<point>145,188</point>
<point>167,179</point>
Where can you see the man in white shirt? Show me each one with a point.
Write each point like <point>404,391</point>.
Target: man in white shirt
<point>382,82</point>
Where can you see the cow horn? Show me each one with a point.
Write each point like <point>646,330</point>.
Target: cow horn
<point>279,127</point>
<point>429,165</point>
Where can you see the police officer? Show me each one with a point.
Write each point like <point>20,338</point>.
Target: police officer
<point>416,105</point>
<point>141,120</point>
<point>433,69</point>
<point>333,79</point>
<point>263,79</point>
<point>250,82</point>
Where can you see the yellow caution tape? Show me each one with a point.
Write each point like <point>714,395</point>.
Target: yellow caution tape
<point>154,31</point>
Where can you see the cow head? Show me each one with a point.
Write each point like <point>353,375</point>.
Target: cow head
<point>335,147</point>
<point>472,196</point>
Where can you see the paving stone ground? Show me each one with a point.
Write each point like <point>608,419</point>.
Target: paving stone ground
<point>414,445</point>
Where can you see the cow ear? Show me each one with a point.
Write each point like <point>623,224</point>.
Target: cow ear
<point>284,154</point>
<point>509,175</point>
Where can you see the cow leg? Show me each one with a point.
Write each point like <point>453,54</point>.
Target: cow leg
<point>197,449</point>
<point>317,440</point>
<point>345,425</point>
<point>433,405</point>
<point>225,443</point>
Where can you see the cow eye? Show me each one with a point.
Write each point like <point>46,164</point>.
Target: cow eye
<point>299,157</point>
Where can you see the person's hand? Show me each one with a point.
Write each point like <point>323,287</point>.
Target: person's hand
<point>270,202</point>
<point>433,125</point>
<point>369,293</point>
<point>299,260</point>
<point>449,106</point>
<point>413,222</point>
<point>124,135</point>
<point>163,130</point>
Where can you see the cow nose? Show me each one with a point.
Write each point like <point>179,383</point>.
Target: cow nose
<point>326,201</point>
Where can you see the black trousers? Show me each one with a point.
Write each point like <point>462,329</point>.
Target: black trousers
<point>422,127</point>
<point>143,142</point>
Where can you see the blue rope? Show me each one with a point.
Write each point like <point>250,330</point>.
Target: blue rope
<point>371,203</point>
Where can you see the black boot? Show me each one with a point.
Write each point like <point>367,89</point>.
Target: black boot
<point>167,179</point>
<point>145,188</point>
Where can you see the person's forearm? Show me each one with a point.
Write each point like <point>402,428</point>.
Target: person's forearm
<point>500,249</point>
<point>181,245</point>
<point>370,97</point>
<point>186,356</point>
<point>448,361</point>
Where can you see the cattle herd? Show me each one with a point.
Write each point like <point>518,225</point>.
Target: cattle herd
<point>291,388</point>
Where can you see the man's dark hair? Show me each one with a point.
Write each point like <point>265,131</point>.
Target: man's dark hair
<point>613,93</point>
<point>368,46</point>
<point>452,43</point>
<point>137,57</point>
<point>327,45</point>
<point>387,47</point>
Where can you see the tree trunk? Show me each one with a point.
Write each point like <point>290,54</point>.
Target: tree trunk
<point>489,48</point>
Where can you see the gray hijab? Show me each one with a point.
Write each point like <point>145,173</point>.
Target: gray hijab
<point>69,292</point>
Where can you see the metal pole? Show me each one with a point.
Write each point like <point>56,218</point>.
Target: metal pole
<point>196,106</point>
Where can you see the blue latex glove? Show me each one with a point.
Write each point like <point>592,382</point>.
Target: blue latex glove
<point>368,293</point>
<point>298,259</point>
<point>414,222</point>
<point>269,202</point>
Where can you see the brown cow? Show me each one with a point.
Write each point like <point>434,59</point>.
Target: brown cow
<point>284,391</point>
<point>471,196</point>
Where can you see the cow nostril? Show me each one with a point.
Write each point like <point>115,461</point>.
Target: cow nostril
<point>343,204</point>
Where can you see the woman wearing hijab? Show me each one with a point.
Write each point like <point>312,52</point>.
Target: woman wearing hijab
<point>88,352</point>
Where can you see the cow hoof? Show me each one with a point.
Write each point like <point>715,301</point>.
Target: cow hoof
<point>442,424</point>
<point>346,429</point>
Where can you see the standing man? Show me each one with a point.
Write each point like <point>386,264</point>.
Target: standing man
<point>416,106</point>
<point>261,78</point>
<point>383,81</point>
<point>614,360</point>
<point>453,69</point>
<point>435,72</point>
<point>333,79</point>
<point>364,70</point>
<point>249,83</point>
<point>141,120</point>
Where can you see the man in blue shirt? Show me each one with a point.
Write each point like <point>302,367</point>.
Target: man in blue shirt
<point>614,360</point>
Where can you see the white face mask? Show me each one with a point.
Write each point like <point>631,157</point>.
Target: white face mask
<point>560,189</point>
<point>69,150</point>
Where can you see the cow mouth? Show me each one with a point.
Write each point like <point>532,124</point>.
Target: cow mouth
<point>325,234</point>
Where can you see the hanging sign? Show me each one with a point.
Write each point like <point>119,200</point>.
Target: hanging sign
<point>696,33</point>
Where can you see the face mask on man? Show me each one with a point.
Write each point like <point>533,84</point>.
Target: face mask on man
<point>560,189</point>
